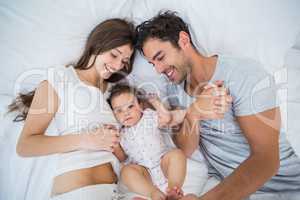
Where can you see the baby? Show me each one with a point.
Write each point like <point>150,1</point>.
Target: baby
<point>155,170</point>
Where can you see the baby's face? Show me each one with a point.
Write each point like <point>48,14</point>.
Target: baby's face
<point>126,109</point>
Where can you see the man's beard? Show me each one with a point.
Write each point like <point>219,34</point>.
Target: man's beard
<point>185,71</point>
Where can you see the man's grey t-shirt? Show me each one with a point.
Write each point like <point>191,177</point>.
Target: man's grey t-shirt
<point>222,141</point>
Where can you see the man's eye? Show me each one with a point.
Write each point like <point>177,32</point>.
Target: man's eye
<point>160,58</point>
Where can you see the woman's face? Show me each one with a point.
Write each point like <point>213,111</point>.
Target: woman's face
<point>113,60</point>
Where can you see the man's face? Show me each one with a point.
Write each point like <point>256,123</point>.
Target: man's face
<point>167,59</point>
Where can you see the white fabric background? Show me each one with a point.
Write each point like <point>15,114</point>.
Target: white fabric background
<point>38,34</point>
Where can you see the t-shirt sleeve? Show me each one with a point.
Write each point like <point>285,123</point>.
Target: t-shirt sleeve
<point>253,90</point>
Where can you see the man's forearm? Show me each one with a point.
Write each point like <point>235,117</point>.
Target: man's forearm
<point>245,180</point>
<point>187,138</point>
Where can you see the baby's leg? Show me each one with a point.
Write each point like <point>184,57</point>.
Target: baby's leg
<point>138,180</point>
<point>173,165</point>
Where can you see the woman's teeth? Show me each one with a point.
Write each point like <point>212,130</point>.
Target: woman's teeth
<point>107,69</point>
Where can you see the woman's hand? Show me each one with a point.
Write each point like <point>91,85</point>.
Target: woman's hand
<point>212,103</point>
<point>104,138</point>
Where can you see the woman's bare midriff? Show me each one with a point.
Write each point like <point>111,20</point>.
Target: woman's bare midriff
<point>101,174</point>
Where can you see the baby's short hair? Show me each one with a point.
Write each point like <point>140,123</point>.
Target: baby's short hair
<point>121,88</point>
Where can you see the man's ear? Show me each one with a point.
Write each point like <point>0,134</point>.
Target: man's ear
<point>184,40</point>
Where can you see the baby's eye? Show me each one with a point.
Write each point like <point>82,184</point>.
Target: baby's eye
<point>117,111</point>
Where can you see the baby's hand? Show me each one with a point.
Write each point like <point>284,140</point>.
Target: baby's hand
<point>152,97</point>
<point>164,118</point>
<point>156,194</point>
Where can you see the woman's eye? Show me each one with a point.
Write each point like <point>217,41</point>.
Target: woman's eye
<point>113,55</point>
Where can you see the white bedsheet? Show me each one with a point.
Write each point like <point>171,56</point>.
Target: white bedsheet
<point>22,178</point>
<point>31,178</point>
<point>37,34</point>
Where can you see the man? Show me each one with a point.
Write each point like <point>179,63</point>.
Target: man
<point>245,150</point>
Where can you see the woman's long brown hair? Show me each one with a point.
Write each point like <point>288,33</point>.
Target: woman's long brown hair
<point>105,36</point>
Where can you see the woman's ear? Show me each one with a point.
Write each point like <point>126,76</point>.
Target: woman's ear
<point>184,40</point>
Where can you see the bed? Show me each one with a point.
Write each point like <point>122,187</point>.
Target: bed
<point>35,35</point>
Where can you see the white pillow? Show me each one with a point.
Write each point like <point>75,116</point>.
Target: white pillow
<point>38,34</point>
<point>263,30</point>
<point>293,105</point>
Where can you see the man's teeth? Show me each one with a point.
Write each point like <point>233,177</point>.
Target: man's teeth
<point>170,73</point>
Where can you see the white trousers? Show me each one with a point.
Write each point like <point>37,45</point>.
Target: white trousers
<point>91,192</point>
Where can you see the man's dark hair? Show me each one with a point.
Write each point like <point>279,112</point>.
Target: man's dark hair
<point>165,26</point>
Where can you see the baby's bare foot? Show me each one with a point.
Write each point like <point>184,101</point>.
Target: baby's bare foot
<point>174,193</point>
<point>156,194</point>
<point>138,198</point>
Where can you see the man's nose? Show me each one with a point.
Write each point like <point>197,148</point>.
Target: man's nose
<point>159,67</point>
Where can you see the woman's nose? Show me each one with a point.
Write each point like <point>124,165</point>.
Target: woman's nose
<point>118,65</point>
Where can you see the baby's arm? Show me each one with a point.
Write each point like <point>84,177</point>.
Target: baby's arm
<point>119,153</point>
<point>164,115</point>
<point>177,117</point>
<point>156,103</point>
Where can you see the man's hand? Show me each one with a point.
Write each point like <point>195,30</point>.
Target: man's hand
<point>212,103</point>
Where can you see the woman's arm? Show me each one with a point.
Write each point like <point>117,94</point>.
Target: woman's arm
<point>34,142</point>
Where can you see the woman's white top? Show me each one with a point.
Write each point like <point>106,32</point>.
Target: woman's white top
<point>82,108</point>
<point>144,143</point>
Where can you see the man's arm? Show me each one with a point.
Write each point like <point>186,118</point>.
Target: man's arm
<point>187,138</point>
<point>206,106</point>
<point>262,132</point>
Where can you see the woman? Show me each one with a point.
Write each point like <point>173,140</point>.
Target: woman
<point>73,99</point>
